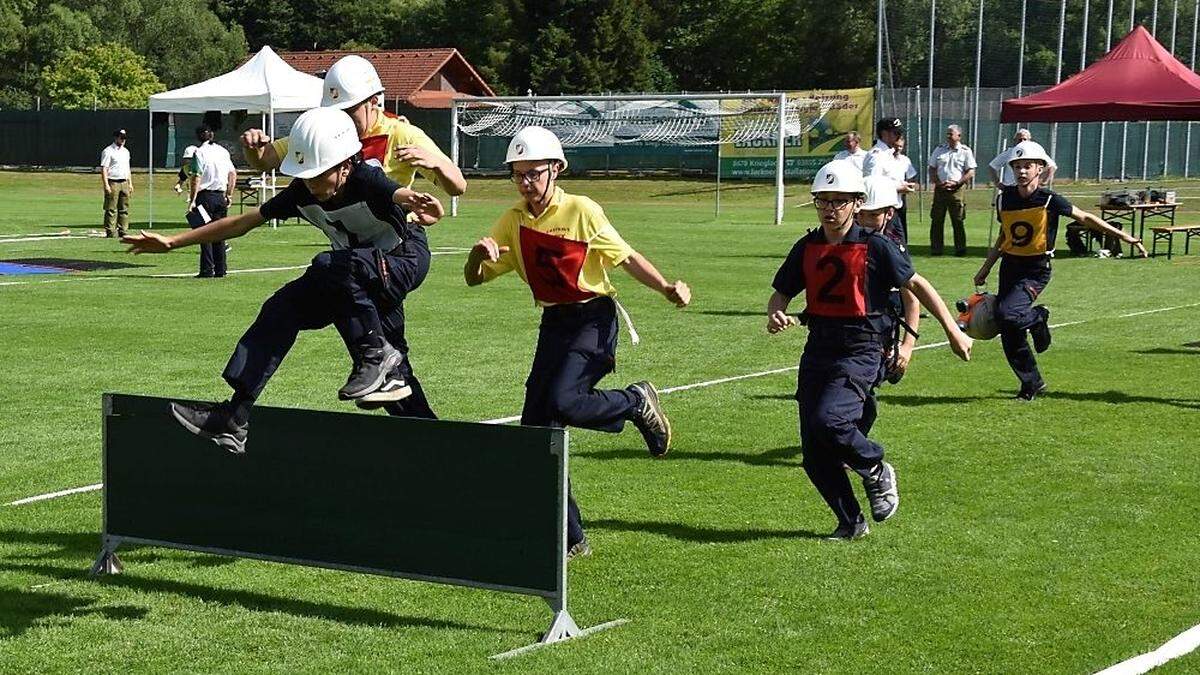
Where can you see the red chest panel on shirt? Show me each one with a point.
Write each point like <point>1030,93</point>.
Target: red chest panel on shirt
<point>375,147</point>
<point>835,279</point>
<point>552,266</point>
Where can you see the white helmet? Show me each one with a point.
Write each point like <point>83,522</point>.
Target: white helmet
<point>881,193</point>
<point>534,143</point>
<point>349,82</point>
<point>1030,150</point>
<point>189,152</point>
<point>321,138</point>
<point>840,175</point>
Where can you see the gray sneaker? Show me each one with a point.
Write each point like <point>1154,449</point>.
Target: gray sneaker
<point>213,421</point>
<point>394,388</point>
<point>370,371</point>
<point>579,550</point>
<point>880,485</point>
<point>856,530</point>
<point>650,419</point>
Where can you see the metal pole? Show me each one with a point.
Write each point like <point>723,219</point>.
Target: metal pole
<point>1021,62</point>
<point>1125,125</point>
<point>454,150</point>
<point>978,63</point>
<point>1082,65</point>
<point>1062,23</point>
<point>1167,125</point>
<point>1187,152</point>
<point>1146,139</point>
<point>1103,126</point>
<point>779,159</point>
<point>920,206</point>
<point>932,32</point>
<point>879,55</point>
<point>718,196</point>
<point>150,181</point>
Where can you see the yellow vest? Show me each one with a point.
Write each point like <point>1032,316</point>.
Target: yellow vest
<point>1024,231</point>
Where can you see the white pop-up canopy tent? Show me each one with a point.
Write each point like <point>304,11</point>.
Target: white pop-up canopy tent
<point>265,84</point>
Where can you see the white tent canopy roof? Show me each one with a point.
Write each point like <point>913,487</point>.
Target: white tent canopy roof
<point>263,84</point>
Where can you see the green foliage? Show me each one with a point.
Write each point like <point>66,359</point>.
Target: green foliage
<point>107,75</point>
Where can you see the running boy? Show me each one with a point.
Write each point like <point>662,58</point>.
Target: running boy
<point>846,274</point>
<point>377,259</point>
<point>878,214</point>
<point>1028,226</point>
<point>562,246</point>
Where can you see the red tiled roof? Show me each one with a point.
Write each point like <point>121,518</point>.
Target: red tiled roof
<point>404,72</point>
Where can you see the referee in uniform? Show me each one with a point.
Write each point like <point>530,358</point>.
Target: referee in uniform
<point>210,197</point>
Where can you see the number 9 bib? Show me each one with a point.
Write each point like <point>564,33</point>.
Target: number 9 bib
<point>835,280</point>
<point>1024,231</point>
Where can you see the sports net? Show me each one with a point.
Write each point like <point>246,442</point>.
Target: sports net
<point>671,121</point>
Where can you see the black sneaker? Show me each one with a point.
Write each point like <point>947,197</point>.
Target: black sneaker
<point>370,371</point>
<point>1041,330</point>
<point>213,421</point>
<point>847,532</point>
<point>650,419</point>
<point>1029,393</point>
<point>880,485</point>
<point>579,550</point>
<point>394,388</point>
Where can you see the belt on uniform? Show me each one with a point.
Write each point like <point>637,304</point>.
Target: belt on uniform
<point>117,180</point>
<point>218,192</point>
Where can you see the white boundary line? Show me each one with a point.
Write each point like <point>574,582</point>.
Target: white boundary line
<point>43,237</point>
<point>1178,646</point>
<point>682,387</point>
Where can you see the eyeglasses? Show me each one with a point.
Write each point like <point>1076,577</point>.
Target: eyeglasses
<point>531,176</point>
<point>822,203</point>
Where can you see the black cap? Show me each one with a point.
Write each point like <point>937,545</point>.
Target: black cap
<point>202,131</point>
<point>119,132</point>
<point>889,124</point>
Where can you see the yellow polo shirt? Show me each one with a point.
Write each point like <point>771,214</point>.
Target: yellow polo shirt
<point>564,253</point>
<point>380,143</point>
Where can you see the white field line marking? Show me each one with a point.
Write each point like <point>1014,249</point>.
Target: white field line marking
<point>682,387</point>
<point>183,275</point>
<point>55,495</point>
<point>44,237</point>
<point>1174,648</point>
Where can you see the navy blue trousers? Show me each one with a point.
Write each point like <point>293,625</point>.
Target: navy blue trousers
<point>212,256</point>
<point>361,291</point>
<point>1021,282</point>
<point>836,393</point>
<point>576,348</point>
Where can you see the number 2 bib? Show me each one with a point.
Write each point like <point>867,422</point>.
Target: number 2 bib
<point>1024,230</point>
<point>835,279</point>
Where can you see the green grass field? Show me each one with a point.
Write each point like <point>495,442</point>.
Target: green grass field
<point>1059,536</point>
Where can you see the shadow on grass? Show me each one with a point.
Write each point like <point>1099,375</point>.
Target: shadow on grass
<point>732,312</point>
<point>699,534</point>
<point>257,602</point>
<point>917,400</point>
<point>774,457</point>
<point>922,250</point>
<point>1167,350</point>
<point>83,547</point>
<point>1120,398</point>
<point>24,610</point>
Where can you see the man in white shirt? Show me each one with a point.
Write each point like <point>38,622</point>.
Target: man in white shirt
<point>951,166</point>
<point>1002,174</point>
<point>881,161</point>
<point>853,152</point>
<point>212,186</point>
<point>118,188</point>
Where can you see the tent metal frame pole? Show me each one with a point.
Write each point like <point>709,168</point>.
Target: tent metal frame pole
<point>1062,24</point>
<point>1167,125</point>
<point>1146,137</point>
<point>1082,65</point>
<point>1187,152</point>
<point>1125,125</point>
<point>878,55</point>
<point>1103,126</point>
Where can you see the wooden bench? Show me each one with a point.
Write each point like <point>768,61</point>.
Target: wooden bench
<point>1167,233</point>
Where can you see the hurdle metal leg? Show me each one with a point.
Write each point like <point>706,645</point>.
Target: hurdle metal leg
<point>108,562</point>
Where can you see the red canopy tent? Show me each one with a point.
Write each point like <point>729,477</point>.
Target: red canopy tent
<point>1138,80</point>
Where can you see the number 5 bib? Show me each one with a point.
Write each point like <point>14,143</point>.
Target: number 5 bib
<point>836,280</point>
<point>1024,230</point>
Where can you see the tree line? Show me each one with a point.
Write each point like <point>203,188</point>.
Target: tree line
<point>78,54</point>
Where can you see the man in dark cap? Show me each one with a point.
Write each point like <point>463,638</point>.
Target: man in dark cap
<point>881,160</point>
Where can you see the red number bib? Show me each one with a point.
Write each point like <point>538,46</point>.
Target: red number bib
<point>375,147</point>
<point>835,279</point>
<point>552,266</point>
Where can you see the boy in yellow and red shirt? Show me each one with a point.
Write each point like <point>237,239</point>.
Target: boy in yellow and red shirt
<point>562,246</point>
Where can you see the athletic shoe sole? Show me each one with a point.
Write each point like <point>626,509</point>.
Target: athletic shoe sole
<point>390,392</point>
<point>895,494</point>
<point>650,393</point>
<point>393,359</point>
<point>226,441</point>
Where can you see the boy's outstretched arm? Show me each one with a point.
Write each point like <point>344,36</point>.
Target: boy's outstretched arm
<point>218,230</point>
<point>644,271</point>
